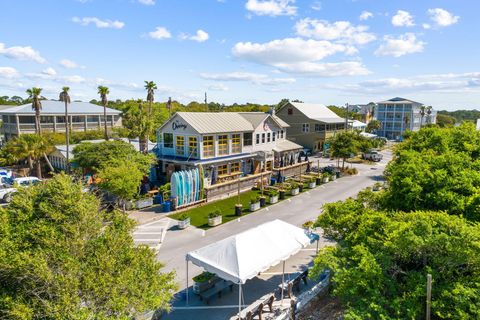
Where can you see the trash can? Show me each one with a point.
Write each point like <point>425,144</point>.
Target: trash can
<point>338,174</point>
<point>166,206</point>
<point>273,181</point>
<point>158,199</point>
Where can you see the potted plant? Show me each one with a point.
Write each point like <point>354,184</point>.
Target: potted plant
<point>255,203</point>
<point>294,189</point>
<point>308,225</point>
<point>333,176</point>
<point>204,281</point>
<point>273,196</point>
<point>214,218</point>
<point>312,183</point>
<point>326,177</point>
<point>184,221</point>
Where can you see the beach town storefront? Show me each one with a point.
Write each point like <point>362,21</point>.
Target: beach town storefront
<point>222,149</point>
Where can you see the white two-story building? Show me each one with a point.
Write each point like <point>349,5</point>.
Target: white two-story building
<point>224,144</point>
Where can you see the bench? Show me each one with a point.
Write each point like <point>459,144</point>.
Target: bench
<point>294,283</point>
<point>256,308</point>
<point>217,289</point>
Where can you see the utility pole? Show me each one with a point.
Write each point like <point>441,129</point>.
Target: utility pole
<point>429,296</point>
<point>346,118</point>
<point>206,103</point>
<point>169,106</point>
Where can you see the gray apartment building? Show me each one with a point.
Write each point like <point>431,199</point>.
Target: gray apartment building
<point>310,124</point>
<point>399,114</point>
<point>83,116</point>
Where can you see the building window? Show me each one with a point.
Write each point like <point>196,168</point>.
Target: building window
<point>290,111</point>
<point>281,134</point>
<point>222,170</point>
<point>180,145</point>
<point>257,140</point>
<point>305,127</point>
<point>192,147</point>
<point>235,167</point>
<point>236,143</point>
<point>247,139</point>
<point>268,166</point>
<point>263,137</point>
<point>168,140</point>
<point>223,144</point>
<point>273,136</point>
<point>208,147</point>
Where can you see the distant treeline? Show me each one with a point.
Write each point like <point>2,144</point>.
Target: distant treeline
<point>462,115</point>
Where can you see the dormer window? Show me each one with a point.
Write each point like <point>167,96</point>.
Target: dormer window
<point>290,111</point>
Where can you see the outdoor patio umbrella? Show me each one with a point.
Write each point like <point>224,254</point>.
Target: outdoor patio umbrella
<point>281,162</point>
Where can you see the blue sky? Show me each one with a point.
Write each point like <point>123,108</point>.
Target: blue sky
<point>330,51</point>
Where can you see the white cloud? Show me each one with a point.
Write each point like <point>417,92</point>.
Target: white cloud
<point>442,17</point>
<point>271,7</point>
<point>85,21</point>
<point>342,31</point>
<point>365,15</point>
<point>160,33</point>
<point>287,50</point>
<point>255,78</point>
<point>426,26</point>
<point>21,53</point>
<point>8,72</point>
<point>218,87</point>
<point>316,5</point>
<point>147,2</point>
<point>49,71</point>
<point>300,56</point>
<point>397,47</point>
<point>69,64</point>
<point>403,19</point>
<point>332,69</point>
<point>71,79</point>
<point>200,36</point>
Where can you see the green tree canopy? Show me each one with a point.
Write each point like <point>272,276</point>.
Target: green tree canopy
<point>121,178</point>
<point>444,120</point>
<point>373,125</point>
<point>60,257</point>
<point>95,156</point>
<point>380,264</point>
<point>437,169</point>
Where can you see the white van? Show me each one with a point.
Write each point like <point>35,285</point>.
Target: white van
<point>6,191</point>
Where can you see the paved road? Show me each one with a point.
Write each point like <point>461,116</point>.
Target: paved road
<point>299,209</point>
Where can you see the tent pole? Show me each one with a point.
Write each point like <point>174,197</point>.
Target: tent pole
<point>283,279</point>
<point>239,299</point>
<point>186,289</point>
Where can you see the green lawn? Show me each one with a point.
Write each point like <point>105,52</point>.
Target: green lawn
<point>199,215</point>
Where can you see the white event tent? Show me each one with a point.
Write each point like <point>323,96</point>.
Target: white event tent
<point>243,256</point>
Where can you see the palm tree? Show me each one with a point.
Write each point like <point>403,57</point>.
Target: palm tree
<point>103,92</point>
<point>151,87</point>
<point>31,147</point>
<point>35,95</point>
<point>139,124</point>
<point>422,114</point>
<point>429,114</point>
<point>66,98</point>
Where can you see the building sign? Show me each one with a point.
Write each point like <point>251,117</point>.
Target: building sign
<point>178,125</point>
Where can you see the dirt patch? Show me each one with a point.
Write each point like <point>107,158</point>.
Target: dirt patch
<point>323,308</point>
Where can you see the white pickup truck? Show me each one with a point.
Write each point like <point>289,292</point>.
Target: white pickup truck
<point>7,191</point>
<point>372,156</point>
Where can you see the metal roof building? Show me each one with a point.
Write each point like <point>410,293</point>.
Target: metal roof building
<point>83,116</point>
